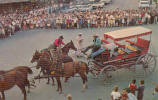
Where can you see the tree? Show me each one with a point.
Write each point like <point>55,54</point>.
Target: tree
<point>156,2</point>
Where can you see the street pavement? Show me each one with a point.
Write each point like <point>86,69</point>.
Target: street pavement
<point>18,50</point>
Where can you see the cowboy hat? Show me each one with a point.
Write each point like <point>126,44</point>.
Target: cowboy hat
<point>95,35</point>
<point>79,34</point>
<point>61,37</point>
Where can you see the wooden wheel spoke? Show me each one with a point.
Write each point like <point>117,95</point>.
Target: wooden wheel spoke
<point>149,58</point>
<point>148,62</point>
<point>153,60</point>
<point>145,58</point>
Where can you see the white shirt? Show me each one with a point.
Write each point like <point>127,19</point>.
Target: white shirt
<point>131,96</point>
<point>79,42</point>
<point>115,95</point>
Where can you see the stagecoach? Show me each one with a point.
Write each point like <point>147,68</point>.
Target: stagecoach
<point>124,48</point>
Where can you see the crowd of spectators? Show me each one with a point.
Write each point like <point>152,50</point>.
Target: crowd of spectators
<point>43,17</point>
<point>130,92</point>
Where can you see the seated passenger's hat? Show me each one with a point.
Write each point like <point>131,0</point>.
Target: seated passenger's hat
<point>79,34</point>
<point>95,35</point>
<point>61,37</point>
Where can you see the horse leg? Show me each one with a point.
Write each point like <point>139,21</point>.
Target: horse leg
<point>28,85</point>
<point>66,79</point>
<point>3,95</point>
<point>0,97</point>
<point>52,81</point>
<point>84,81</point>
<point>59,84</point>
<point>40,74</point>
<point>32,83</point>
<point>22,88</point>
<point>48,80</point>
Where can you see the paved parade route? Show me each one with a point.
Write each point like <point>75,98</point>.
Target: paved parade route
<point>18,50</point>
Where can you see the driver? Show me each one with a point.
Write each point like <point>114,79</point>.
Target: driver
<point>96,44</point>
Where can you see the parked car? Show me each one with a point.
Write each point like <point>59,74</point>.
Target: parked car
<point>144,4</point>
<point>69,10</point>
<point>85,8</point>
<point>97,5</point>
<point>106,1</point>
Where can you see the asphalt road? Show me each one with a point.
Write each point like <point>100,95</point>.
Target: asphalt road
<point>18,50</point>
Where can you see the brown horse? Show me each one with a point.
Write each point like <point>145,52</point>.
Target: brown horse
<point>25,70</point>
<point>45,67</point>
<point>69,70</point>
<point>67,47</point>
<point>45,54</point>
<point>10,79</point>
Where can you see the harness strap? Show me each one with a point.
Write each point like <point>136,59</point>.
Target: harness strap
<point>78,66</point>
<point>73,67</point>
<point>62,70</point>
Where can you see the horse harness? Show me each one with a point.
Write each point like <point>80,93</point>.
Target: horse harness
<point>56,58</point>
<point>2,78</point>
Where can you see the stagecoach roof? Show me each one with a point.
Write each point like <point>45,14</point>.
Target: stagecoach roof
<point>127,33</point>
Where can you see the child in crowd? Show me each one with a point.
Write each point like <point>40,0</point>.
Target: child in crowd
<point>130,95</point>
<point>115,95</point>
<point>69,97</point>
<point>124,95</point>
<point>155,92</point>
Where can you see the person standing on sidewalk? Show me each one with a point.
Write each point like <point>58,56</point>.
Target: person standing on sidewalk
<point>133,87</point>
<point>140,90</point>
<point>115,95</point>
<point>69,97</point>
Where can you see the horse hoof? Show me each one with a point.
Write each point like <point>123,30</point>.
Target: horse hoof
<point>28,91</point>
<point>57,89</point>
<point>47,83</point>
<point>83,91</point>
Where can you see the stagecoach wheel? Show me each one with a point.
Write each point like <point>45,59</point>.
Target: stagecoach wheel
<point>109,72</point>
<point>148,62</point>
<point>90,63</point>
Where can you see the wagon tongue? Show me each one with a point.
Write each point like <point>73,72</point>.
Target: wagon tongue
<point>99,64</point>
